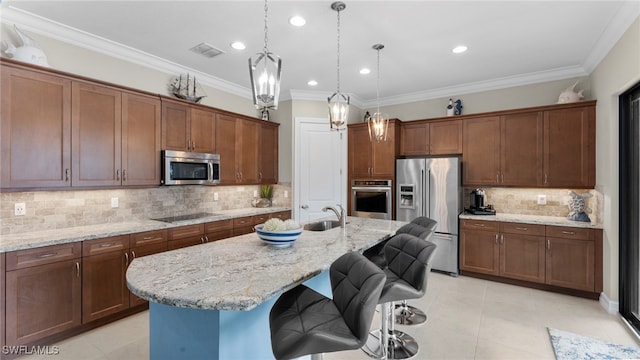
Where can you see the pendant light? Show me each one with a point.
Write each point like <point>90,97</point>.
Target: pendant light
<point>378,122</point>
<point>338,102</point>
<point>264,70</point>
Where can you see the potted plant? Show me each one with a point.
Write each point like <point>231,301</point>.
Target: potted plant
<point>266,194</point>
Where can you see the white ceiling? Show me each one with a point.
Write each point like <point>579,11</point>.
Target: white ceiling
<point>510,42</point>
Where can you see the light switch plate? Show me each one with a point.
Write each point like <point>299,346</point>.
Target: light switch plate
<point>114,202</point>
<point>215,196</point>
<point>542,199</point>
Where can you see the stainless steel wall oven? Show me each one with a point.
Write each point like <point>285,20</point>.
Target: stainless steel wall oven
<point>372,199</point>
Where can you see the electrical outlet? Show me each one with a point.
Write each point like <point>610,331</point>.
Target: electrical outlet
<point>114,202</point>
<point>215,196</point>
<point>255,193</point>
<point>20,209</point>
<point>286,194</point>
<point>542,199</point>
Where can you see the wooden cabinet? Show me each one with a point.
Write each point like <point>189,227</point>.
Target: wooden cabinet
<point>35,129</point>
<point>104,286</point>
<point>570,259</point>
<point>187,128</point>
<point>569,147</point>
<point>268,163</point>
<point>184,236</point>
<point>247,151</point>
<point>479,248</point>
<point>431,138</point>
<point>481,156</point>
<point>243,225</point>
<point>143,244</point>
<point>226,147</point>
<point>369,159</point>
<point>43,292</point>
<point>522,251</point>
<point>282,215</point>
<point>217,230</point>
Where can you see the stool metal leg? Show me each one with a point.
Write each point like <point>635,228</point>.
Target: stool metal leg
<point>399,345</point>
<point>409,315</point>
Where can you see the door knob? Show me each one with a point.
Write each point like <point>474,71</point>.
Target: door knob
<point>305,206</point>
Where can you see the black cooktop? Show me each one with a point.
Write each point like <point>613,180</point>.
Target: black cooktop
<point>176,218</point>
<point>481,211</point>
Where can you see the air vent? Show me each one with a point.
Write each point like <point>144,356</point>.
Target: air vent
<point>207,50</point>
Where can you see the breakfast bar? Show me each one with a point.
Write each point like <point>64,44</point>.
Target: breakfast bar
<point>213,300</point>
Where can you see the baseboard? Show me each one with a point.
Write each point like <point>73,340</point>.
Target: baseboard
<point>612,307</point>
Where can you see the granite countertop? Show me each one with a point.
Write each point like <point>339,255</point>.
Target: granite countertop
<point>242,272</point>
<point>533,219</point>
<point>35,239</point>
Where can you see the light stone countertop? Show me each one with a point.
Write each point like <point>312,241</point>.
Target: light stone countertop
<point>533,219</point>
<point>35,239</point>
<point>242,272</point>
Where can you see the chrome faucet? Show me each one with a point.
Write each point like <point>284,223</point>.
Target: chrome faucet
<point>342,217</point>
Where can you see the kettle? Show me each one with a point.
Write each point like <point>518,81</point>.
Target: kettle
<point>477,199</point>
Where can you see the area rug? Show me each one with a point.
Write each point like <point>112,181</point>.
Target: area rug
<point>570,346</point>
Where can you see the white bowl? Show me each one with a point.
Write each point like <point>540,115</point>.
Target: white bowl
<point>282,238</point>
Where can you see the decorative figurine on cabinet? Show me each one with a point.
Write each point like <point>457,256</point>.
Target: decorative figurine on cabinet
<point>458,110</point>
<point>28,52</point>
<point>450,108</point>
<point>578,207</point>
<point>569,95</point>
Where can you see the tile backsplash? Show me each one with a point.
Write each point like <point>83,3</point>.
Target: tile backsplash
<point>61,209</point>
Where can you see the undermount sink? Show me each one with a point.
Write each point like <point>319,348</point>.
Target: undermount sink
<point>322,225</point>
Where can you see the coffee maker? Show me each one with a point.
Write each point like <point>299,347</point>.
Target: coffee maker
<point>477,204</point>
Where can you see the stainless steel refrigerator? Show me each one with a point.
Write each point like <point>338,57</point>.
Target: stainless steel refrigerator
<point>431,187</point>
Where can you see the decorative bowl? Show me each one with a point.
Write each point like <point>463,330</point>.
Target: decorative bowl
<point>281,238</point>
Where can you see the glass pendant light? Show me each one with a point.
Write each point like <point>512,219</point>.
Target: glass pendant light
<point>264,70</point>
<point>338,102</point>
<point>378,122</point>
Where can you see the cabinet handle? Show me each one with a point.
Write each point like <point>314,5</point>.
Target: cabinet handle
<point>107,245</point>
<point>498,177</point>
<point>133,255</point>
<point>201,239</point>
<point>522,228</point>
<point>480,225</point>
<point>568,232</point>
<point>546,178</point>
<point>193,145</point>
<point>496,238</point>
<point>206,238</point>
<point>501,239</point>
<point>118,175</point>
<point>124,174</point>
<point>126,259</point>
<point>148,237</point>
<point>66,175</point>
<point>548,244</point>
<point>77,269</point>
<point>502,177</point>
<point>260,175</point>
<point>47,255</point>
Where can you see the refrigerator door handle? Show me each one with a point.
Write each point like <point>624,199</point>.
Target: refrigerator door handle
<point>423,210</point>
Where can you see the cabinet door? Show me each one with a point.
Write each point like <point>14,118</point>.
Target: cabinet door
<point>522,257</point>
<point>481,156</point>
<point>42,301</point>
<point>141,251</point>
<point>247,151</point>
<point>445,137</point>
<point>268,154</point>
<point>414,139</point>
<point>141,136</point>
<point>202,130</point>
<point>383,156</point>
<point>104,286</point>
<point>359,152</point>
<point>521,149</point>
<point>570,263</point>
<point>175,123</point>
<point>184,242</point>
<point>226,147</point>
<point>96,135</point>
<point>569,148</point>
<point>35,130</point>
<point>479,252</point>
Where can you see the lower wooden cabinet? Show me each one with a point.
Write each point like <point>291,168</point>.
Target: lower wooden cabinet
<point>184,236</point>
<point>479,248</point>
<point>570,258</point>
<point>43,292</point>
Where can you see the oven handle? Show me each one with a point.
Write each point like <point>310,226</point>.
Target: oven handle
<point>371,188</point>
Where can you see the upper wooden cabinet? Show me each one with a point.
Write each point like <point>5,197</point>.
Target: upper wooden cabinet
<point>431,138</point>
<point>268,166</point>
<point>225,141</point>
<point>247,151</point>
<point>371,159</point>
<point>481,156</point>
<point>187,128</point>
<point>35,129</point>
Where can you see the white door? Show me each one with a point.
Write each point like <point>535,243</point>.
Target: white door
<point>320,160</point>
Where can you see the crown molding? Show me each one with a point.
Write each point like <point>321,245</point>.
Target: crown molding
<point>310,95</point>
<point>61,32</point>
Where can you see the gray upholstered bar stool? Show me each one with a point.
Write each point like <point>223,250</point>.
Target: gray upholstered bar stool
<point>305,322</point>
<point>421,227</point>
<point>409,262</point>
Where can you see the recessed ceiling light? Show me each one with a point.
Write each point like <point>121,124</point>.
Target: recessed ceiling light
<point>459,49</point>
<point>365,71</point>
<point>238,45</point>
<point>297,20</point>
<point>312,83</point>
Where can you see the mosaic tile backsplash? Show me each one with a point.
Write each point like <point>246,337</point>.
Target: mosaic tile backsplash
<point>61,209</point>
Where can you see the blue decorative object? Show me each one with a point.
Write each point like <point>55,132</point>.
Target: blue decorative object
<point>568,346</point>
<point>458,110</point>
<point>279,238</point>
<point>578,207</point>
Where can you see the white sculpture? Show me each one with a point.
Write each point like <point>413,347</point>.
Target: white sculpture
<point>569,95</point>
<point>28,52</point>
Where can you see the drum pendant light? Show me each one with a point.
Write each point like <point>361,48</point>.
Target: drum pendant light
<point>338,102</point>
<point>378,122</point>
<point>264,70</point>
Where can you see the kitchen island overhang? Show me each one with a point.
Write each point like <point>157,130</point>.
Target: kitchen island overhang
<point>213,300</point>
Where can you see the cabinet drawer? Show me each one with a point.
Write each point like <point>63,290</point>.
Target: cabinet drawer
<point>525,229</point>
<point>148,250</point>
<point>219,235</point>
<point>43,255</point>
<point>186,231</point>
<point>148,238</point>
<point>243,221</point>
<point>260,219</point>
<point>101,246</point>
<point>567,232</point>
<point>184,242</point>
<point>282,215</point>
<point>218,225</point>
<point>480,225</point>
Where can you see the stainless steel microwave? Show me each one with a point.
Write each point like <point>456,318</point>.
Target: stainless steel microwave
<point>188,168</point>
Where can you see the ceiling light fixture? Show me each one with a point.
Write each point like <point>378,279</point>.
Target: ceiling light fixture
<point>338,102</point>
<point>459,49</point>
<point>297,21</point>
<point>264,70</point>
<point>238,45</point>
<point>378,122</point>
<point>312,83</point>
<point>365,71</point>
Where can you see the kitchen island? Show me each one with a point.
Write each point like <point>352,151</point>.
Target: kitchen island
<point>213,300</point>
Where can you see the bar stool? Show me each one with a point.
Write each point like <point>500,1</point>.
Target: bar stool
<point>304,322</point>
<point>421,227</point>
<point>409,263</point>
